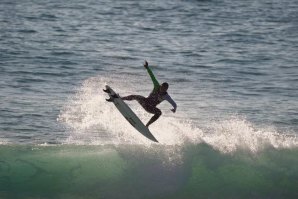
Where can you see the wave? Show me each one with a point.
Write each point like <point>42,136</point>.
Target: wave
<point>135,171</point>
<point>104,157</point>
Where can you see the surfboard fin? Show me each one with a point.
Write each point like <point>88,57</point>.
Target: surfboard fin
<point>106,90</point>
<point>109,100</point>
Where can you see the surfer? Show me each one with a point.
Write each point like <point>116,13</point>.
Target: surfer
<point>158,94</point>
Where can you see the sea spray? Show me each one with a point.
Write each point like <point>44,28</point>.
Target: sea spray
<point>93,121</point>
<point>87,114</point>
<point>238,134</point>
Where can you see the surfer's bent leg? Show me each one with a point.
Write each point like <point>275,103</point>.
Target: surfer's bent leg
<point>157,114</point>
<point>146,105</point>
<point>139,98</point>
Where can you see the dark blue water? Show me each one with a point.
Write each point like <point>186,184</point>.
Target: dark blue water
<point>232,69</point>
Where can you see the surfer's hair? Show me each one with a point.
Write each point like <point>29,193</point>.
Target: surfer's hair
<point>165,85</point>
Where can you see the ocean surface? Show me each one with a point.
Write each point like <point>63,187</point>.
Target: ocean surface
<point>232,67</point>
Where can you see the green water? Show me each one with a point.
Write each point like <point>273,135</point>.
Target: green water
<point>194,171</point>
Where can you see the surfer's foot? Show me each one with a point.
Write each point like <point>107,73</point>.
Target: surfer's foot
<point>112,97</point>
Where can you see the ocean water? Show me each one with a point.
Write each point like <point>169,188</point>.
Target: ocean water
<point>232,66</point>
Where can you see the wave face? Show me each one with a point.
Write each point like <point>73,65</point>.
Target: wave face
<point>134,171</point>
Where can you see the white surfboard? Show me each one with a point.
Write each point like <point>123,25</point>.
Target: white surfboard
<point>129,115</point>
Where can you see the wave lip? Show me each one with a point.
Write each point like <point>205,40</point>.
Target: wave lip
<point>238,134</point>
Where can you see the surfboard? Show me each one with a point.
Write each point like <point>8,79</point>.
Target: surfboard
<point>128,114</point>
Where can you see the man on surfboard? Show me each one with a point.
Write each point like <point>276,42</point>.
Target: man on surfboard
<point>158,94</point>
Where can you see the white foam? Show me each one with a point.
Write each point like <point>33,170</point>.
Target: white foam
<point>234,134</point>
<point>3,142</point>
<point>92,120</point>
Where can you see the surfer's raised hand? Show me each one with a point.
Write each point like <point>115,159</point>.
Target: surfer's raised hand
<point>146,64</point>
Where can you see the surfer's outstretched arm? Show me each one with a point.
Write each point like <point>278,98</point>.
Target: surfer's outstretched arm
<point>172,102</point>
<point>154,80</point>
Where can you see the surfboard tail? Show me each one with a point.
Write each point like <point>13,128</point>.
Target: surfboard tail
<point>154,139</point>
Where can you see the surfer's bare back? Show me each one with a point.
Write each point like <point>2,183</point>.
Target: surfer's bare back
<point>158,94</point>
